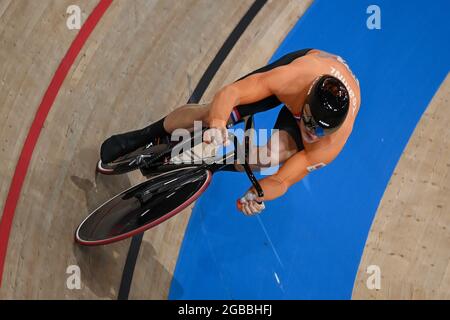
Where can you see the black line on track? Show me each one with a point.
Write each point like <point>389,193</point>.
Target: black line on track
<point>128,269</point>
<point>216,63</point>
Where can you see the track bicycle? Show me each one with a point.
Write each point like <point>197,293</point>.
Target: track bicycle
<point>172,185</point>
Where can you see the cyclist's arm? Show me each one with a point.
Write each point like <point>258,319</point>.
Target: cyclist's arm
<point>249,90</point>
<point>292,171</point>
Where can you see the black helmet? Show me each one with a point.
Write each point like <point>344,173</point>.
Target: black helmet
<point>328,101</point>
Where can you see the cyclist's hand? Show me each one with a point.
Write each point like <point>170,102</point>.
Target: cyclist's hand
<point>250,204</point>
<point>218,136</point>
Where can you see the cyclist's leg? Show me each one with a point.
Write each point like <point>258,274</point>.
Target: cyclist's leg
<point>283,144</point>
<point>119,145</point>
<point>288,124</point>
<point>122,144</point>
<point>184,117</point>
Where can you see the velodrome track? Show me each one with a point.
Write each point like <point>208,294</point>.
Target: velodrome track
<point>384,201</point>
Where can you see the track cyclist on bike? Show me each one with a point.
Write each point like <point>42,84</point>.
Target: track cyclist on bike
<point>321,99</point>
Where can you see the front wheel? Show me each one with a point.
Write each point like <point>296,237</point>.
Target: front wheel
<point>143,206</point>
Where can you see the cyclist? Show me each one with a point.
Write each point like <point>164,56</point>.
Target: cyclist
<point>321,98</point>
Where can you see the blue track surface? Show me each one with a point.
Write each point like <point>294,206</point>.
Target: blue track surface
<point>308,244</point>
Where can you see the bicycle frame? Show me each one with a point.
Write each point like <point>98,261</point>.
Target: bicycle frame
<point>151,167</point>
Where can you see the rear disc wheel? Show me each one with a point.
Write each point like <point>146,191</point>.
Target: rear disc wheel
<point>143,206</point>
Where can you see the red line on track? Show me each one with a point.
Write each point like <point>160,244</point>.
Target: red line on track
<point>35,129</point>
